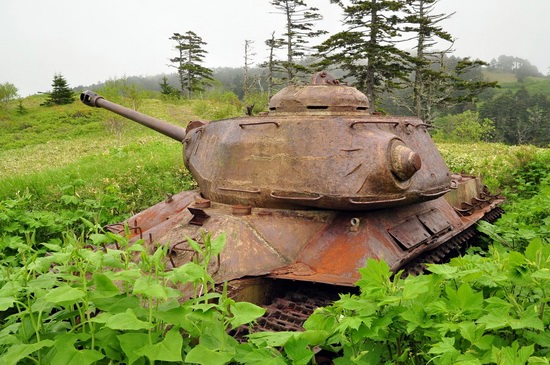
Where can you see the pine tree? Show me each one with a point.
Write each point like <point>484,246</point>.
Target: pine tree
<point>299,30</point>
<point>272,65</point>
<point>248,53</point>
<point>439,81</point>
<point>367,50</point>
<point>193,77</point>
<point>426,29</point>
<point>61,93</point>
<point>166,88</point>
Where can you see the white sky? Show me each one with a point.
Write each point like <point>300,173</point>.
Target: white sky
<point>92,41</point>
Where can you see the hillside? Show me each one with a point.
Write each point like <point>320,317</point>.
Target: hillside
<point>48,147</point>
<point>509,81</point>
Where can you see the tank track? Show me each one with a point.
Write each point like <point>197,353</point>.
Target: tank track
<point>290,313</point>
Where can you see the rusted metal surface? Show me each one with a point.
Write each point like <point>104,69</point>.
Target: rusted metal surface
<point>307,245</point>
<point>350,166</point>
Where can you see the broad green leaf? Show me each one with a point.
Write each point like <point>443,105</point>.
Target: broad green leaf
<point>68,355</point>
<point>314,337</point>
<point>169,349</point>
<point>376,274</point>
<point>188,273</point>
<point>467,359</point>
<point>321,319</point>
<point>416,286</point>
<point>102,317</point>
<point>533,250</point>
<point>106,339</point>
<point>445,350</point>
<point>130,275</point>
<point>104,286</point>
<point>11,288</point>
<point>354,323</point>
<point>444,270</point>
<point>175,316</point>
<point>416,317</point>
<point>194,245</point>
<point>98,239</point>
<point>151,288</point>
<point>543,274</point>
<point>117,238</point>
<point>512,355</point>
<point>201,354</point>
<point>250,355</point>
<point>44,281</point>
<point>464,299</point>
<point>217,244</point>
<point>64,295</point>
<point>116,304</point>
<point>244,312</point>
<point>270,339</point>
<point>535,360</point>
<point>52,247</point>
<point>529,319</point>
<point>18,352</point>
<point>495,319</point>
<point>131,343</point>
<point>127,321</point>
<point>298,351</point>
<point>6,302</point>
<point>214,336</point>
<point>362,306</point>
<point>470,331</point>
<point>137,247</point>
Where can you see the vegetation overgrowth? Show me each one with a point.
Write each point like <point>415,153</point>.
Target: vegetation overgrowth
<point>71,293</point>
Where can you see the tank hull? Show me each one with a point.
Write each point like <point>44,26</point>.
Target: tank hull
<point>311,245</point>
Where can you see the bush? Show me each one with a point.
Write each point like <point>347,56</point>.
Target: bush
<point>463,128</point>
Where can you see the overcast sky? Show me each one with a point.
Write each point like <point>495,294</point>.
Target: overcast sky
<point>92,41</point>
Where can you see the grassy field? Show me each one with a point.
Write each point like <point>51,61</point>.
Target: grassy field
<point>47,148</point>
<point>508,81</point>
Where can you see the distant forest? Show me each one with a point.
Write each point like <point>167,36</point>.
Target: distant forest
<point>516,111</point>
<point>231,78</point>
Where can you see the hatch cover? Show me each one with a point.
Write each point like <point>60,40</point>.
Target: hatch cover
<point>435,221</point>
<point>410,233</point>
<point>417,229</point>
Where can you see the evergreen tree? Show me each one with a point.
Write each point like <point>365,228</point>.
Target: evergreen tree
<point>193,77</point>
<point>166,88</point>
<point>426,30</point>
<point>299,29</point>
<point>21,110</point>
<point>272,65</point>
<point>246,68</point>
<point>61,93</point>
<point>367,49</point>
<point>438,81</point>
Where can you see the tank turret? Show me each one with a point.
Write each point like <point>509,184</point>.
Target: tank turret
<point>318,147</point>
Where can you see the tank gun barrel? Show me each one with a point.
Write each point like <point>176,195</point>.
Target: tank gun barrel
<point>94,100</point>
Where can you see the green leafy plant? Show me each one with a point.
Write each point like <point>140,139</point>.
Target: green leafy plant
<point>95,303</point>
<point>474,310</point>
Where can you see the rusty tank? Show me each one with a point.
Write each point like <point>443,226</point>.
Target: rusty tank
<point>309,191</point>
